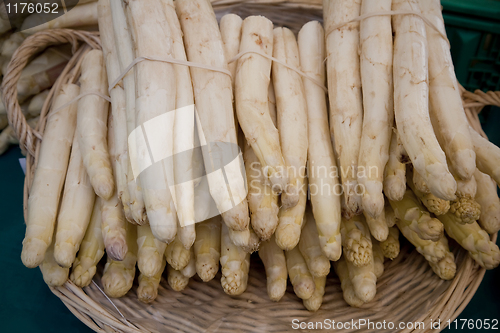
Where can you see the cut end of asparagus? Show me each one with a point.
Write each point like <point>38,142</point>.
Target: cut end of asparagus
<point>287,234</point>
<point>116,248</point>
<point>435,205</point>
<point>33,252</point>
<point>466,210</point>
<point>64,254</point>
<point>464,163</point>
<point>104,186</point>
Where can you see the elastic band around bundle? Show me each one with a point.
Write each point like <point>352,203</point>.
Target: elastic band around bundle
<point>95,93</point>
<point>167,60</point>
<point>317,82</point>
<point>389,13</point>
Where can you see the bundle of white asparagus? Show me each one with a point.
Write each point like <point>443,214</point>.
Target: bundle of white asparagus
<point>392,152</point>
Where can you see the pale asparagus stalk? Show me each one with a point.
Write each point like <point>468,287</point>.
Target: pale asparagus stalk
<point>376,78</point>
<point>252,243</point>
<point>147,291</point>
<point>364,280</point>
<point>394,173</point>
<point>75,211</point>
<point>53,274</point>
<point>176,280</point>
<point>271,102</point>
<point>207,248</point>
<point>378,258</point>
<point>465,207</point>
<point>291,107</point>
<point>411,99</point>
<point>350,297</point>
<point>313,303</point>
<point>190,270</point>
<point>434,204</point>
<point>487,155</point>
<point>474,239</point>
<point>321,159</point>
<point>378,226</point>
<point>183,134</point>
<point>300,277</point>
<point>50,173</point>
<point>446,267</point>
<point>118,276</point>
<point>251,96</point>
<point>417,217</point>
<point>487,197</point>
<point>177,255</point>
<point>213,95</point>
<point>91,250</point>
<point>291,221</point>
<point>275,265</point>
<point>230,31</point>
<point>150,251</point>
<point>155,98</point>
<point>390,217</point>
<point>118,101</point>
<point>235,264</point>
<point>317,263</point>
<point>432,251</point>
<point>390,247</point>
<point>262,200</point>
<point>91,124</point>
<point>41,72</point>
<point>356,241</point>
<point>419,183</point>
<point>78,16</point>
<point>114,228</point>
<point>36,104</point>
<point>445,103</point>
<point>125,52</point>
<point>8,136</point>
<point>344,89</point>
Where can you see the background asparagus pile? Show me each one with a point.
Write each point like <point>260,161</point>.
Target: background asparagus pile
<point>394,138</point>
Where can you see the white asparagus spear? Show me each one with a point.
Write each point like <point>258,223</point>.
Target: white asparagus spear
<point>487,155</point>
<point>91,124</point>
<point>53,274</point>
<point>183,134</point>
<point>419,183</point>
<point>356,241</point>
<point>235,264</point>
<point>378,99</point>
<point>190,270</point>
<point>76,208</point>
<point>78,16</point>
<point>314,302</point>
<point>321,159</point>
<point>291,221</point>
<point>446,110</point>
<point>394,173</point>
<point>411,99</point>
<point>300,277</point>
<point>378,258</point>
<point>434,204</point>
<point>155,102</point>
<point>176,254</point>
<point>147,291</point>
<point>487,197</point>
<point>49,177</point>
<point>317,263</point>
<point>176,280</point>
<point>251,97</point>
<point>118,276</point>
<point>344,88</point>
<point>150,251</point>
<point>390,217</point>
<point>291,106</point>
<point>125,52</point>
<point>207,248</point>
<point>378,226</point>
<point>364,280</point>
<point>391,246</point>
<point>36,103</point>
<point>346,283</point>
<point>247,239</point>
<point>118,102</point>
<point>275,264</point>
<point>230,31</point>
<point>91,250</point>
<point>213,95</point>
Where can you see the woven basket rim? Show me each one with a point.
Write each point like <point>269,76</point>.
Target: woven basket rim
<point>81,302</point>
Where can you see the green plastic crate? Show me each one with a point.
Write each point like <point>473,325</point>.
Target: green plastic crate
<point>473,28</point>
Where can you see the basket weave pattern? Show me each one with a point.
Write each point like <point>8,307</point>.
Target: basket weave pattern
<point>408,291</point>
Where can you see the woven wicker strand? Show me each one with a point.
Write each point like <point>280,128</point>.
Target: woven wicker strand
<point>408,291</point>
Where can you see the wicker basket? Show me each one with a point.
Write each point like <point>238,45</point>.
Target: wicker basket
<point>408,291</point>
